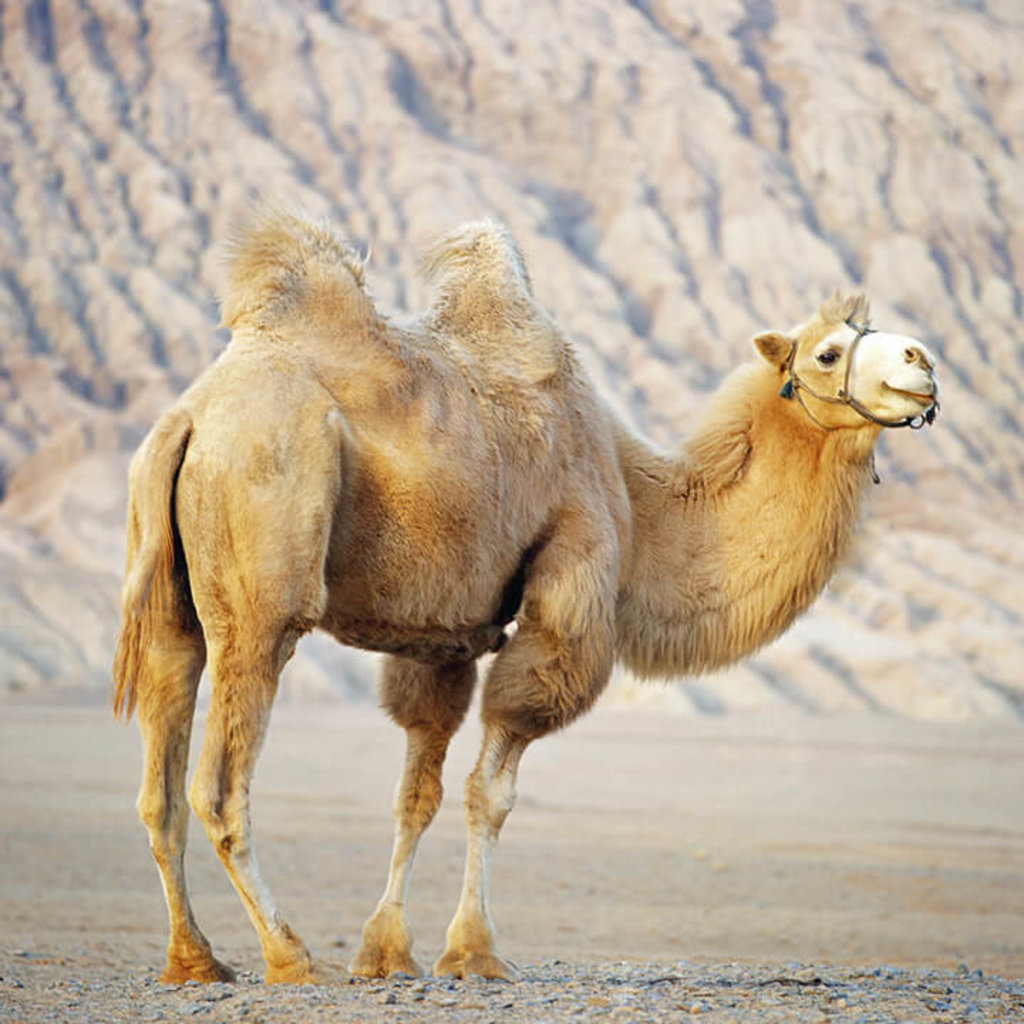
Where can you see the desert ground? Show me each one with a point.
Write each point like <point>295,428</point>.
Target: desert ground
<point>656,866</point>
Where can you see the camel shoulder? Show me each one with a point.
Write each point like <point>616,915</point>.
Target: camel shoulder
<point>484,299</point>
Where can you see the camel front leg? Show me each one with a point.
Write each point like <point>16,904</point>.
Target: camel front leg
<point>550,672</point>
<point>490,795</point>
<point>431,703</point>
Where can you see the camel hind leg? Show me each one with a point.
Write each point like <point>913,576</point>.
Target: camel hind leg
<point>169,677</point>
<point>429,702</point>
<point>244,681</point>
<point>256,502</point>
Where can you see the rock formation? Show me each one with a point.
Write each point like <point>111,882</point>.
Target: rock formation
<point>680,176</point>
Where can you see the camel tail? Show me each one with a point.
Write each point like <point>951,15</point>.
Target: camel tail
<point>155,579</point>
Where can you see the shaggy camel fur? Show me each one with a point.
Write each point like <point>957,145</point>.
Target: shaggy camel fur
<point>414,490</point>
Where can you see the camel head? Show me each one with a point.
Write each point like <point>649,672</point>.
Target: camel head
<point>844,373</point>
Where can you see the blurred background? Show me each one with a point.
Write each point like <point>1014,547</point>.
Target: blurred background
<point>680,175</point>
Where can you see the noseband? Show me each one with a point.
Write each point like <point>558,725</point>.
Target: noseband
<point>794,386</point>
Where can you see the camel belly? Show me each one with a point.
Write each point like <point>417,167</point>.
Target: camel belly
<point>386,593</point>
<point>424,551</point>
<point>434,644</point>
<point>390,597</point>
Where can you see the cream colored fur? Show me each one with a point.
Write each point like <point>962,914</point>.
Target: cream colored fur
<point>412,490</point>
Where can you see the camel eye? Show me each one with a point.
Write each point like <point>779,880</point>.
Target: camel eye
<point>828,357</point>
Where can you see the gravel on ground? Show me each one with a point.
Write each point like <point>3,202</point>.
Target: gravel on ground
<point>37,988</point>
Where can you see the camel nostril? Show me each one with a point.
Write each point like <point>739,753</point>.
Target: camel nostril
<point>912,355</point>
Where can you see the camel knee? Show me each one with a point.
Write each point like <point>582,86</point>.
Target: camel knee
<point>207,804</point>
<point>163,816</point>
<point>152,809</point>
<point>490,801</point>
<point>224,818</point>
<point>166,841</point>
<point>204,805</point>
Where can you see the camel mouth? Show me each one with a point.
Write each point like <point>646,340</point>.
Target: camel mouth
<point>924,397</point>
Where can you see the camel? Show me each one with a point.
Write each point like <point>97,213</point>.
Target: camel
<point>445,488</point>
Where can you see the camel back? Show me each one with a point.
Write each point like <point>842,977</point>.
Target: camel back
<point>289,276</point>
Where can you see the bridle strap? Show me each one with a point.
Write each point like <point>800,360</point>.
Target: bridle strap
<point>794,386</point>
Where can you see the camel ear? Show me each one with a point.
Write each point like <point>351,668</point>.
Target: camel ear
<point>774,347</point>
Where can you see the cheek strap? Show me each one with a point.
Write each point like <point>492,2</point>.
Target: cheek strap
<point>794,385</point>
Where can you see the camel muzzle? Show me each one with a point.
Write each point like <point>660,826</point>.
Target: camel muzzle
<point>794,385</point>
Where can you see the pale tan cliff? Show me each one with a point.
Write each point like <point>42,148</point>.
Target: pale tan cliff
<point>680,176</point>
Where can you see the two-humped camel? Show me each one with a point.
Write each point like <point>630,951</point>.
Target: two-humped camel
<point>416,489</point>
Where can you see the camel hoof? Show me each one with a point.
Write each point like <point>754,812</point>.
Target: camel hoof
<point>458,963</point>
<point>377,962</point>
<point>206,970</point>
<point>304,972</point>
<point>386,949</point>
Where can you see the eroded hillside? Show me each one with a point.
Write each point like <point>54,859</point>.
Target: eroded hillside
<point>680,175</point>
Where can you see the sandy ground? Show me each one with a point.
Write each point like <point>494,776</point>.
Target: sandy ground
<point>739,867</point>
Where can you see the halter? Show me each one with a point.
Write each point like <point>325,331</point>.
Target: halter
<point>794,385</point>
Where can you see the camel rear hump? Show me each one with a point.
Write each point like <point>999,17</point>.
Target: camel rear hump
<point>485,299</point>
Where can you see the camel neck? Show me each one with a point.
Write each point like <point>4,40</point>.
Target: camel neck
<point>735,536</point>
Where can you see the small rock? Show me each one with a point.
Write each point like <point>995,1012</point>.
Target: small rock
<point>217,991</point>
